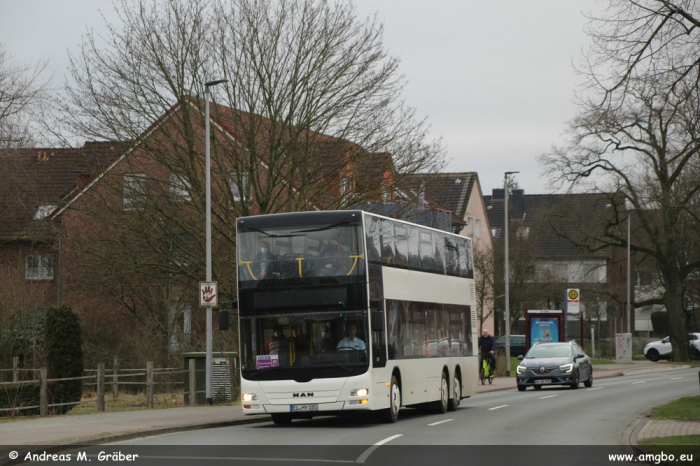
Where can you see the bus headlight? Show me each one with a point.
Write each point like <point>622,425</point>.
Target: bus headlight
<point>567,368</point>
<point>520,369</point>
<point>359,392</point>
<point>249,397</point>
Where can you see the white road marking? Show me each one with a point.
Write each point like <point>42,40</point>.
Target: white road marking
<point>363,457</point>
<point>676,378</point>
<point>440,422</point>
<point>597,388</point>
<point>497,407</point>
<point>635,383</point>
<point>545,397</point>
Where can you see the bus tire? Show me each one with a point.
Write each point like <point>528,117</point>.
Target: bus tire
<point>282,419</point>
<point>442,404</point>
<point>456,395</point>
<point>391,415</point>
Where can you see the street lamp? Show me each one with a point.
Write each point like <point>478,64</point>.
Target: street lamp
<point>207,85</point>
<point>628,268</point>
<point>506,274</point>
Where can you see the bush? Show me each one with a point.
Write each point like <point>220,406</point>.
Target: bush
<point>63,344</point>
<point>17,396</point>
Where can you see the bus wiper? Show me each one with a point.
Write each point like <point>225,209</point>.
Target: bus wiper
<point>271,235</point>
<point>323,228</point>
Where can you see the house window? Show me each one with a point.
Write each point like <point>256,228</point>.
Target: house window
<point>345,187</point>
<point>134,191</point>
<point>180,187</point>
<point>39,268</point>
<point>477,228</point>
<point>470,226</point>
<point>239,184</point>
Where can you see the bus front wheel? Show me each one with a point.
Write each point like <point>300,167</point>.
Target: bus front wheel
<point>391,415</point>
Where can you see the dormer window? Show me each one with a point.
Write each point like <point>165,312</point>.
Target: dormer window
<point>44,211</point>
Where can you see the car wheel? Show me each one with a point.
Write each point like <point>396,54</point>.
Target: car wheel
<point>589,383</point>
<point>577,380</point>
<point>282,419</point>
<point>653,355</point>
<point>391,415</point>
<point>521,388</point>
<point>537,387</point>
<point>456,395</point>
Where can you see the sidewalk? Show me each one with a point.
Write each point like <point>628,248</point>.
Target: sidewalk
<point>111,427</point>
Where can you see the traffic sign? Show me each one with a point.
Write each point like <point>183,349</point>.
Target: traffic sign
<point>573,301</point>
<point>208,294</point>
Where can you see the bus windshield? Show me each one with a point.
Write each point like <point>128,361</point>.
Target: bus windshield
<point>304,345</point>
<point>269,252</point>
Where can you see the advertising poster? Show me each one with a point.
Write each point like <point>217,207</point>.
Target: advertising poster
<point>544,330</point>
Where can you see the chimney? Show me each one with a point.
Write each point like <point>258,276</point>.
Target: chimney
<point>518,204</point>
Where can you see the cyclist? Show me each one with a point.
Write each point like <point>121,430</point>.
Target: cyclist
<point>487,348</point>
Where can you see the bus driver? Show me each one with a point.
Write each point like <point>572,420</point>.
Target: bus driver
<point>351,342</point>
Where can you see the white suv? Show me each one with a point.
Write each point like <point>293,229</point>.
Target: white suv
<point>662,349</point>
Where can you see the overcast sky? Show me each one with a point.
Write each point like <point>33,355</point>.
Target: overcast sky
<point>494,78</point>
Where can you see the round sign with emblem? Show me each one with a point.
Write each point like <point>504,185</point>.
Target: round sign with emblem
<point>573,294</point>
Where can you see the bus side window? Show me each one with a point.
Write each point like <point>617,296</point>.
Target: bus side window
<point>439,265</point>
<point>373,239</point>
<point>414,261</point>
<point>426,251</point>
<point>462,256</point>
<point>451,258</point>
<point>387,240</point>
<point>401,245</point>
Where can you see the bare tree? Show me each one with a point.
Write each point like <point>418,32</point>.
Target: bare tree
<point>22,94</point>
<point>637,132</point>
<point>312,117</point>
<point>484,283</point>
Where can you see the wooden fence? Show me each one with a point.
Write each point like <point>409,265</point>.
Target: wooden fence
<point>101,379</point>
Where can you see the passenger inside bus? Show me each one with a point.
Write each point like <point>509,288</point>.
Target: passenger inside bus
<point>331,253</point>
<point>263,264</point>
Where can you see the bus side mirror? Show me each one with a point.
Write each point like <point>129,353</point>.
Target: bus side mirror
<point>223,319</point>
<point>377,321</point>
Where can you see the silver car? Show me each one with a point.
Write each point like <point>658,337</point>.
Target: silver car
<point>554,364</point>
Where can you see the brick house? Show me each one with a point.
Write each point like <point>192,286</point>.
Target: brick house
<point>117,230</point>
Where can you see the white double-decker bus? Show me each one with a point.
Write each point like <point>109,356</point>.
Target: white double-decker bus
<point>345,311</point>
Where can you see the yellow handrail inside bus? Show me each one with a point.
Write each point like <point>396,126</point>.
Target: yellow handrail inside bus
<point>247,263</point>
<point>299,259</point>
<point>355,263</point>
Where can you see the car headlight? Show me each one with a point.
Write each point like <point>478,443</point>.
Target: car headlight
<point>249,397</point>
<point>359,392</point>
<point>567,367</point>
<point>520,369</point>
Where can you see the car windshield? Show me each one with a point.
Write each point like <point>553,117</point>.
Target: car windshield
<point>549,351</point>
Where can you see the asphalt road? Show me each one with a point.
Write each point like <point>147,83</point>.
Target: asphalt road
<point>504,427</point>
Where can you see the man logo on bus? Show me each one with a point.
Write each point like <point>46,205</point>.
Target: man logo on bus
<point>302,395</point>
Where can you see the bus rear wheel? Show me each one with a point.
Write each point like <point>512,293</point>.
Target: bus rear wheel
<point>391,415</point>
<point>456,395</point>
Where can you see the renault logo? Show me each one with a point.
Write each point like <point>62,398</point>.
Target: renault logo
<point>542,369</point>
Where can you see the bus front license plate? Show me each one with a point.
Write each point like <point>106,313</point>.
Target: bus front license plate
<point>540,382</point>
<point>303,408</point>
